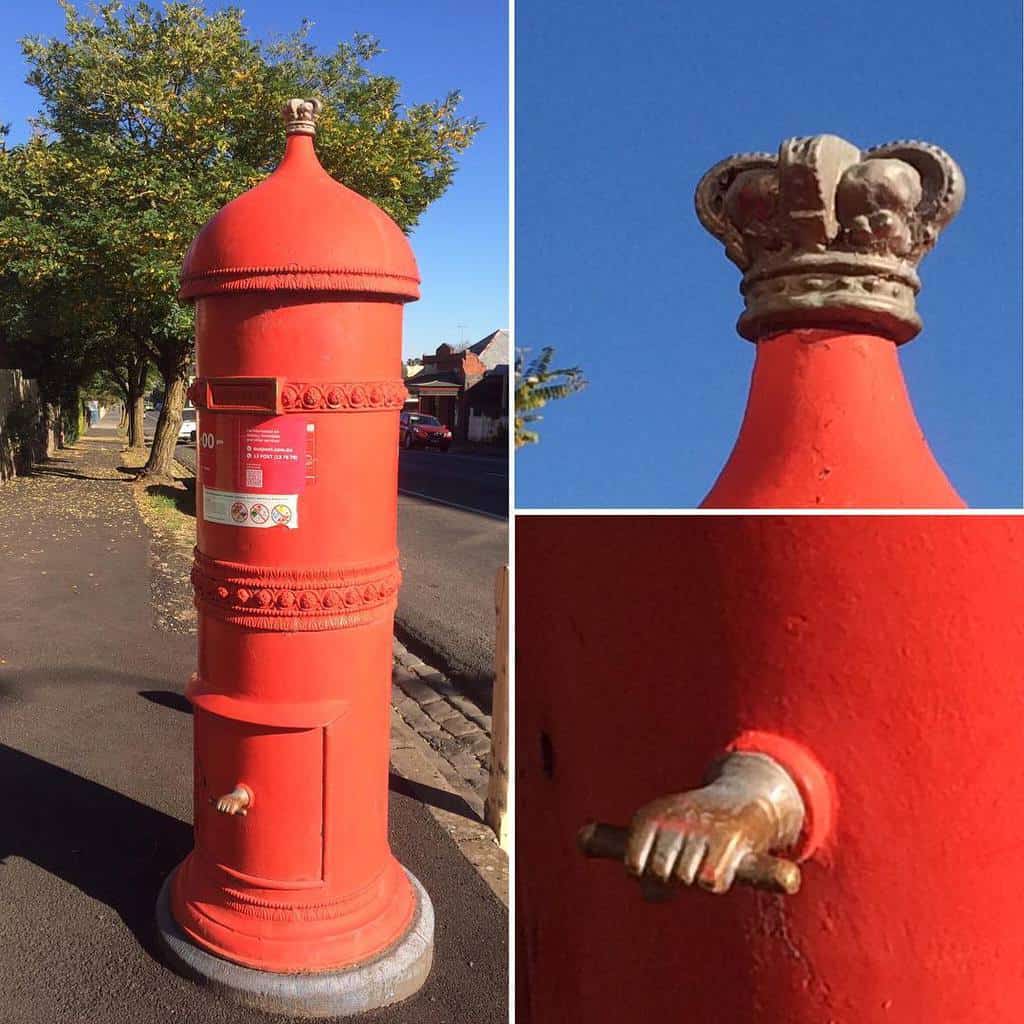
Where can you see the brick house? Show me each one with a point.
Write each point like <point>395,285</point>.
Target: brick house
<point>466,389</point>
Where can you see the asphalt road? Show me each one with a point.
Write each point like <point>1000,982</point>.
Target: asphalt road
<point>475,482</point>
<point>446,605</point>
<point>453,538</point>
<point>95,754</point>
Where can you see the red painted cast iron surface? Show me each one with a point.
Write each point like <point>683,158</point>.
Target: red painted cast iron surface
<point>829,424</point>
<point>296,574</point>
<point>890,647</point>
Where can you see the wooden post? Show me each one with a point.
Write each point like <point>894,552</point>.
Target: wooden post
<point>496,805</point>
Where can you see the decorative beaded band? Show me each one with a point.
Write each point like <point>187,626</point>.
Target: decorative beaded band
<point>367,397</point>
<point>292,600</point>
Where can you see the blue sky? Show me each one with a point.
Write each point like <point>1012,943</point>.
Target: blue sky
<point>461,243</point>
<point>621,107</point>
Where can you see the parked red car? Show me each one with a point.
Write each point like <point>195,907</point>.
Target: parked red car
<point>417,430</point>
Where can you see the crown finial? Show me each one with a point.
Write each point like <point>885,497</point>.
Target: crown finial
<point>300,116</point>
<point>829,236</point>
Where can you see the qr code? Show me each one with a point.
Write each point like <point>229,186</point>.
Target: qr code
<point>253,476</point>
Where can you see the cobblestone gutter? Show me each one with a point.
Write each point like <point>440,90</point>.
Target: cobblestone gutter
<point>450,723</point>
<point>441,748</point>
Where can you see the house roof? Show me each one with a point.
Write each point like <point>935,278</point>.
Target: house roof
<point>492,350</point>
<point>432,381</point>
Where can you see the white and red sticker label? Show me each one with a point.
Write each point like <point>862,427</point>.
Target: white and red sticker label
<point>254,511</point>
<point>253,470</point>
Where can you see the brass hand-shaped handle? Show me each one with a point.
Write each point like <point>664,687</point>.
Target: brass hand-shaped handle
<point>235,802</point>
<point>724,831</point>
<point>760,870</point>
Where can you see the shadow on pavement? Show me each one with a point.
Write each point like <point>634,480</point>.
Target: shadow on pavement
<point>111,847</point>
<point>438,798</point>
<point>168,699</point>
<point>63,468</point>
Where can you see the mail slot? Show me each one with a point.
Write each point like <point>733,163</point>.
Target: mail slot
<point>238,394</point>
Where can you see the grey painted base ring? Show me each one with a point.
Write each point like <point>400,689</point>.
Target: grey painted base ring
<point>392,976</point>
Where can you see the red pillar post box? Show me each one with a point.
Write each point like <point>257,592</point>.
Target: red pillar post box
<point>291,898</point>
<point>829,239</point>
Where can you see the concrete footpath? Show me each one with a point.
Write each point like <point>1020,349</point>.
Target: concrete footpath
<point>96,775</point>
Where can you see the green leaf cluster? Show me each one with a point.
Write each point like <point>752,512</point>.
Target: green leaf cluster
<point>537,383</point>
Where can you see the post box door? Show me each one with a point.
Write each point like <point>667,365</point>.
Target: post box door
<point>280,838</point>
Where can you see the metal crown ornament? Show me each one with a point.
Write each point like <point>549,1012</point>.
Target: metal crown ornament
<point>300,116</point>
<point>828,236</point>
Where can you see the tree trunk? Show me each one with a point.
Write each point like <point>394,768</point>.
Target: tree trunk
<point>165,440</point>
<point>48,429</point>
<point>137,404</point>
<point>136,422</point>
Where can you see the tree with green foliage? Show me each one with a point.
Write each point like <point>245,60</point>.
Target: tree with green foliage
<point>159,117</point>
<point>34,299</point>
<point>66,311</point>
<point>536,385</point>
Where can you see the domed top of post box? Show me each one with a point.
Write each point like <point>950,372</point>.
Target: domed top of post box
<point>828,236</point>
<point>300,230</point>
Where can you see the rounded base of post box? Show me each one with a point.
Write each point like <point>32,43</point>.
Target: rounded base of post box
<point>388,978</point>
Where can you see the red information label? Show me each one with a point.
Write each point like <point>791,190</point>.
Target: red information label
<point>254,455</point>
